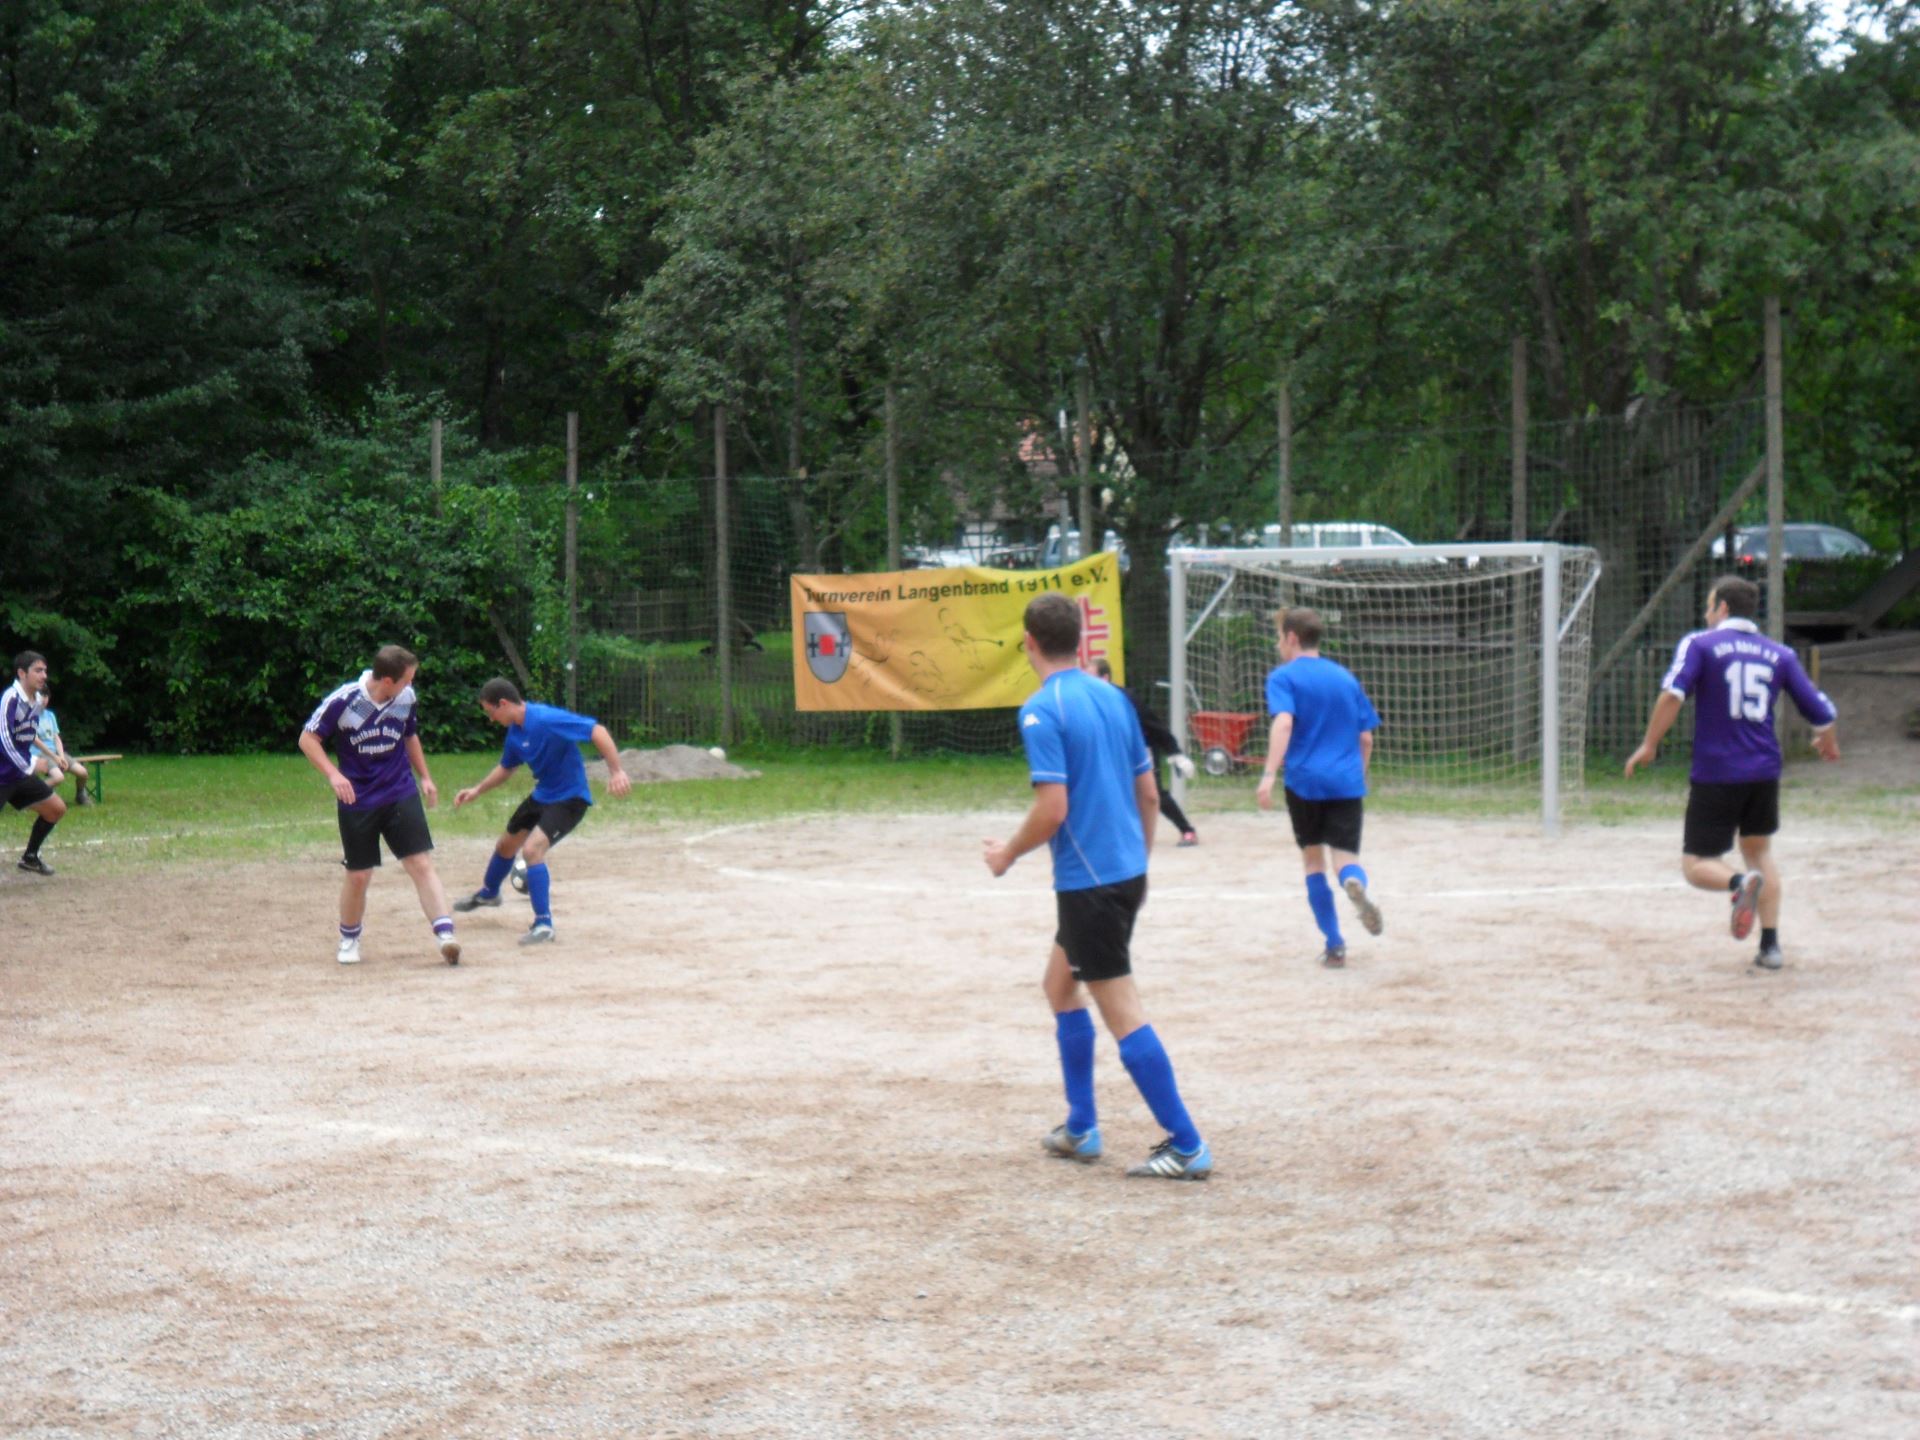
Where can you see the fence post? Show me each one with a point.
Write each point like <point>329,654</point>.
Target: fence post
<point>896,737</point>
<point>1083,400</point>
<point>573,559</point>
<point>1776,480</point>
<point>1518,444</point>
<point>1285,422</point>
<point>723,573</point>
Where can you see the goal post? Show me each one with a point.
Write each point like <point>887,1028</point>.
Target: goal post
<point>1476,656</point>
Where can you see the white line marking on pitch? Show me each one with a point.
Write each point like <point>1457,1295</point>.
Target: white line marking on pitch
<point>1753,1295</point>
<point>488,1144</point>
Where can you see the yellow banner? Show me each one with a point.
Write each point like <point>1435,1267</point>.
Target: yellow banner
<point>938,639</point>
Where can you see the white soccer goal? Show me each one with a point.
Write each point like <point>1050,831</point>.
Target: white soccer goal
<point>1476,656</point>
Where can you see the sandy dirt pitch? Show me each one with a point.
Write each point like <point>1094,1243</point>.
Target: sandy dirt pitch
<point>752,1151</point>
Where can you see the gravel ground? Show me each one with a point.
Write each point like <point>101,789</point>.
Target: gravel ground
<point>751,1151</point>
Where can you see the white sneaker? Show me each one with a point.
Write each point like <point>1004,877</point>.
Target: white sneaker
<point>450,950</point>
<point>349,952</point>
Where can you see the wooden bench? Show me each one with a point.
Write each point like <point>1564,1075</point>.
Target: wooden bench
<point>96,770</point>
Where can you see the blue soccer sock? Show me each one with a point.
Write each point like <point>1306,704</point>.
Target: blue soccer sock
<point>1146,1061</point>
<point>1353,872</point>
<point>1320,897</point>
<point>497,867</point>
<point>537,892</point>
<point>1073,1029</point>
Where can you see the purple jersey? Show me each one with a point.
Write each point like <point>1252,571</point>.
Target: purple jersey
<point>1735,675</point>
<point>369,742</point>
<point>19,719</point>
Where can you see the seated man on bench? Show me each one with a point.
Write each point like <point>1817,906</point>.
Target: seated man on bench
<point>46,740</point>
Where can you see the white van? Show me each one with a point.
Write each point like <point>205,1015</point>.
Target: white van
<point>1338,535</point>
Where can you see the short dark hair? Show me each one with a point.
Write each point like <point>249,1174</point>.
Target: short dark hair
<point>1303,624</point>
<point>27,659</point>
<point>1742,596</point>
<point>499,691</point>
<point>1054,623</point>
<point>391,662</point>
<point>1102,668</point>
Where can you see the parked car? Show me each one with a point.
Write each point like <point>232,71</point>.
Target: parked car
<point>1064,550</point>
<point>1337,535</point>
<point>1804,541</point>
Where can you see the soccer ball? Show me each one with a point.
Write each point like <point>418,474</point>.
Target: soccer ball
<point>717,753</point>
<point>519,877</point>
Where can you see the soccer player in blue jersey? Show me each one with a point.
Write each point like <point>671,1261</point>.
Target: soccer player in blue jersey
<point>1736,675</point>
<point>1322,733</point>
<point>20,707</point>
<point>1094,806</point>
<point>547,740</point>
<point>371,726</point>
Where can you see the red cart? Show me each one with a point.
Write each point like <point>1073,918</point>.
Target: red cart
<point>1222,738</point>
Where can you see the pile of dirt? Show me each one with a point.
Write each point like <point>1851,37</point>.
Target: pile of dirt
<point>671,762</point>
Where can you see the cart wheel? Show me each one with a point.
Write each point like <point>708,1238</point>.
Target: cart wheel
<point>1217,761</point>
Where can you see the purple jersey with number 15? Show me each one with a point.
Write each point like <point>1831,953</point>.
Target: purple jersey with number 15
<point>1735,675</point>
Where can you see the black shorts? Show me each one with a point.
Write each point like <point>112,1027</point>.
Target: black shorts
<point>28,791</point>
<point>1095,928</point>
<point>1716,812</point>
<point>1325,822</point>
<point>556,817</point>
<point>401,823</point>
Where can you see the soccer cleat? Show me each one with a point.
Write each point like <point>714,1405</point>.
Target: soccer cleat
<point>449,949</point>
<point>1334,957</point>
<point>1188,840</point>
<point>518,876</point>
<point>1771,957</point>
<point>539,933</point>
<point>1063,1142</point>
<point>1369,912</point>
<point>1746,904</point>
<point>34,865</point>
<point>475,901</point>
<point>349,952</point>
<point>1167,1163</point>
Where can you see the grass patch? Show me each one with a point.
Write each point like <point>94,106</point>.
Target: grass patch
<point>164,810</point>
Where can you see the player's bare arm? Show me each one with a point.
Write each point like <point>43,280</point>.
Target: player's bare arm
<point>1279,735</point>
<point>1146,794</point>
<point>492,779</point>
<point>1045,816</point>
<point>617,781</point>
<point>1666,710</point>
<point>1826,741</point>
<point>316,753</point>
<point>417,758</point>
<point>1366,751</point>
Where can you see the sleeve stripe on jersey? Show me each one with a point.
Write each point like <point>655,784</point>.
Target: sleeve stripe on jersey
<point>1058,776</point>
<point>1670,682</point>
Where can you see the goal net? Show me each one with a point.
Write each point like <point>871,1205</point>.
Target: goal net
<point>1476,656</point>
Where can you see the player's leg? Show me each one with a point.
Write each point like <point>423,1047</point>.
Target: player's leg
<point>557,820</point>
<point>404,826</point>
<point>500,862</point>
<point>1345,820</point>
<point>1097,937</point>
<point>1713,818</point>
<point>1309,820</point>
<point>36,795</point>
<point>1073,1033</point>
<point>1176,817</point>
<point>1758,826</point>
<point>353,909</point>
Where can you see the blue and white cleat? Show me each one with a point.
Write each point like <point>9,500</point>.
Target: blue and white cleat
<point>538,933</point>
<point>1369,912</point>
<point>1167,1163</point>
<point>1063,1142</point>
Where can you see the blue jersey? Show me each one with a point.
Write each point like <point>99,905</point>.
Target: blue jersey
<point>549,741</point>
<point>1082,733</point>
<point>1736,674</point>
<point>1330,712</point>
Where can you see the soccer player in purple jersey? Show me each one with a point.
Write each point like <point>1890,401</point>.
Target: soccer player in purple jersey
<point>20,707</point>
<point>370,723</point>
<point>1736,675</point>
